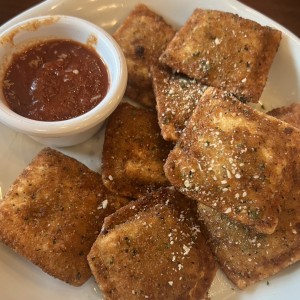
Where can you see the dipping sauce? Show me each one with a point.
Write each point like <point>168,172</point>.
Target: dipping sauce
<point>55,80</point>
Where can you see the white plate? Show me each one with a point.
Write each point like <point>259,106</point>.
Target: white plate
<point>19,279</point>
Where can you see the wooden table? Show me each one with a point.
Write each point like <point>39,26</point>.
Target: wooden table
<point>285,12</point>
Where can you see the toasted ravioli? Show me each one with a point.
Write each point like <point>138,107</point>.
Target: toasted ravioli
<point>134,152</point>
<point>289,114</point>
<point>225,51</point>
<point>176,98</point>
<point>53,213</point>
<point>153,248</point>
<point>143,36</point>
<point>110,202</point>
<point>235,159</point>
<point>246,256</point>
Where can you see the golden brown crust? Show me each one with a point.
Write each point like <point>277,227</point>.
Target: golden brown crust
<point>153,248</point>
<point>143,36</point>
<point>176,98</point>
<point>246,256</point>
<point>144,96</point>
<point>134,152</point>
<point>235,159</point>
<point>53,212</point>
<point>225,51</point>
<point>289,114</point>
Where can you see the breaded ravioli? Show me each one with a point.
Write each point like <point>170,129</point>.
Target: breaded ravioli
<point>246,256</point>
<point>289,114</point>
<point>235,159</point>
<point>134,152</point>
<point>153,248</point>
<point>176,98</point>
<point>225,51</point>
<point>53,213</point>
<point>143,36</point>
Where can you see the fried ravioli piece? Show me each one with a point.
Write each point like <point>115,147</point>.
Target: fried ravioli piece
<point>134,152</point>
<point>246,256</point>
<point>235,159</point>
<point>143,36</point>
<point>176,98</point>
<point>153,248</point>
<point>110,202</point>
<point>289,114</point>
<point>225,51</point>
<point>53,213</point>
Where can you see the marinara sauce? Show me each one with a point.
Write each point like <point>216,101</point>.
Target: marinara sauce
<point>55,80</point>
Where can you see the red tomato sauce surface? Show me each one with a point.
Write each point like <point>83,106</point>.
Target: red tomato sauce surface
<point>55,80</point>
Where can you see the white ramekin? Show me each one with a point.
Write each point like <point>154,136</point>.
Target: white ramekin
<point>81,128</point>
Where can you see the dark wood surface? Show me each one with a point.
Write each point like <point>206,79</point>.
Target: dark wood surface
<point>285,12</point>
<point>11,8</point>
